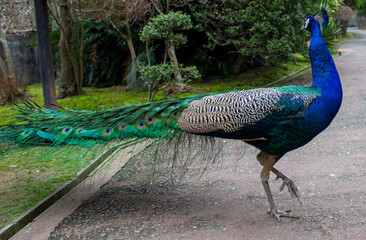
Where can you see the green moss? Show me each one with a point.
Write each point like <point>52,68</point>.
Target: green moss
<point>350,36</point>
<point>253,78</point>
<point>32,173</point>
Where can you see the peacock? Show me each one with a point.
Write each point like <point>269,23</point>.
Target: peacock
<point>275,120</point>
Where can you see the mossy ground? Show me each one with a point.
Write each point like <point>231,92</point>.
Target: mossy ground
<point>28,174</point>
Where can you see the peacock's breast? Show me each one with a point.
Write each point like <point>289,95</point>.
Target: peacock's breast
<point>297,131</point>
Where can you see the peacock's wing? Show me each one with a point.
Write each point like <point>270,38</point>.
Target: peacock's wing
<point>246,114</point>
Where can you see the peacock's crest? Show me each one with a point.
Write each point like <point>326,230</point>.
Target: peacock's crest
<point>325,18</point>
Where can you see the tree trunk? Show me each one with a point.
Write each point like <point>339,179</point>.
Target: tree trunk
<point>173,58</point>
<point>130,42</point>
<point>130,47</point>
<point>127,37</point>
<point>9,58</point>
<point>68,83</point>
<point>344,25</point>
<point>8,85</point>
<point>45,56</point>
<point>239,65</point>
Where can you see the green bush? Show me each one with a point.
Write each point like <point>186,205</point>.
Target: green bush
<point>268,29</point>
<point>105,52</point>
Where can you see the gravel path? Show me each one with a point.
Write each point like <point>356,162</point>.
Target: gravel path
<point>230,203</point>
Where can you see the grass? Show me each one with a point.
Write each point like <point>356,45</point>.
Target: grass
<point>350,36</point>
<point>28,174</point>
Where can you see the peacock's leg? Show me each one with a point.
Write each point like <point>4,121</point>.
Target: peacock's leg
<point>268,163</point>
<point>292,188</point>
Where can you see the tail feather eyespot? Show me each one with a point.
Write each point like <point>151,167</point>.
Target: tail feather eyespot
<point>174,106</point>
<point>141,125</point>
<point>66,130</point>
<point>107,131</point>
<point>122,126</point>
<point>150,120</point>
<point>176,115</point>
<point>79,131</point>
<point>25,133</point>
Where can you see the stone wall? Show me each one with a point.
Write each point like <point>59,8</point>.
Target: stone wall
<point>25,58</point>
<point>361,22</point>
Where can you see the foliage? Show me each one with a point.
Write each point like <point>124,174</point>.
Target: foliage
<point>329,36</point>
<point>163,25</point>
<point>361,7</point>
<point>133,78</point>
<point>121,14</point>
<point>157,74</point>
<point>17,15</point>
<point>255,28</point>
<point>209,63</point>
<point>160,76</point>
<point>331,6</point>
<point>190,73</point>
<point>106,52</point>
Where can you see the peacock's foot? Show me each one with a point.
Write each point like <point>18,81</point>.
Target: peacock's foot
<point>278,214</point>
<point>267,163</point>
<point>292,188</point>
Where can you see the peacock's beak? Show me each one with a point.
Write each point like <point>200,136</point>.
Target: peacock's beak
<point>306,23</point>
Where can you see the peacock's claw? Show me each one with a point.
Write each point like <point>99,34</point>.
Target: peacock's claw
<point>292,188</point>
<point>278,214</point>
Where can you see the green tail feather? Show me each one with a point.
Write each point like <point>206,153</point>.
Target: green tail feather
<point>39,126</point>
<point>168,150</point>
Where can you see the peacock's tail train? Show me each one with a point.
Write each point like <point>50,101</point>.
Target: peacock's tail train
<point>39,126</point>
<point>148,130</point>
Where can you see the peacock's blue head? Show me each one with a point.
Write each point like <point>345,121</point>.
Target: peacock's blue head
<point>310,19</point>
<point>307,22</point>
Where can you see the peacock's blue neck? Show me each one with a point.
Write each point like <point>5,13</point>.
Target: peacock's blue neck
<point>325,75</point>
<point>315,30</point>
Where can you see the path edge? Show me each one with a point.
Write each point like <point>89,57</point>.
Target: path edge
<point>17,224</point>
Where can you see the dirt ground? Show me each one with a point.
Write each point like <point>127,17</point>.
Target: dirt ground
<point>230,203</point>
